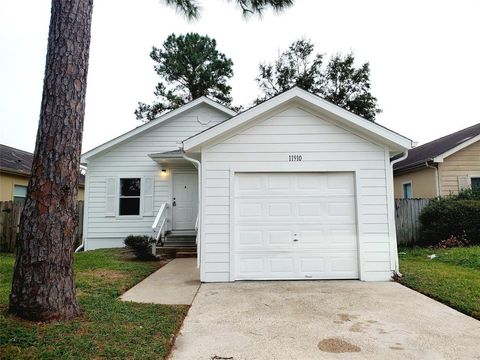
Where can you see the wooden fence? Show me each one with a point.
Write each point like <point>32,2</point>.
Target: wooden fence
<point>407,212</point>
<point>10,218</point>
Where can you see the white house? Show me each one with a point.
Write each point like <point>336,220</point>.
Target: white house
<point>294,188</point>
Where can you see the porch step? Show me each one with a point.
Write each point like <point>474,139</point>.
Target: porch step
<point>179,241</point>
<point>177,252</point>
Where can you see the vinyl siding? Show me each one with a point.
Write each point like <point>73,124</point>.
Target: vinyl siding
<point>324,147</point>
<point>130,159</point>
<point>465,162</point>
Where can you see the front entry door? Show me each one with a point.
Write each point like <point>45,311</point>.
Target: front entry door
<point>185,201</point>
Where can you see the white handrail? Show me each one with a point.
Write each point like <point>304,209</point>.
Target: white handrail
<point>161,215</point>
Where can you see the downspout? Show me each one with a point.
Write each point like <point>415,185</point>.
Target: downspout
<point>397,266</point>
<point>437,182</point>
<point>198,165</point>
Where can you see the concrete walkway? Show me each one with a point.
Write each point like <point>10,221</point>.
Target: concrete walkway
<point>309,320</point>
<point>174,284</point>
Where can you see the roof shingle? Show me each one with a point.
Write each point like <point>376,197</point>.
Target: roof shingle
<point>426,152</point>
<point>19,161</point>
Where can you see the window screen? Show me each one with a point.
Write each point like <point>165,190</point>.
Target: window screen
<point>476,183</point>
<point>130,196</point>
<point>19,193</point>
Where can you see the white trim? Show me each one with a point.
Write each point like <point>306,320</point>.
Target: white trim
<point>140,129</point>
<point>386,136</point>
<point>440,158</point>
<point>85,211</point>
<point>392,228</point>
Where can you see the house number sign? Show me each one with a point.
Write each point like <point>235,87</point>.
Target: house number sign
<point>294,157</point>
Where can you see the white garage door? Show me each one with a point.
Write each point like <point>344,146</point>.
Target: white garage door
<point>295,226</point>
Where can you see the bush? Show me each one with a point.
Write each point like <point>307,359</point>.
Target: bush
<point>446,217</point>
<point>141,246</point>
<point>468,194</point>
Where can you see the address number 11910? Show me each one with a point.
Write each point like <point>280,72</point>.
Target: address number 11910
<point>294,157</point>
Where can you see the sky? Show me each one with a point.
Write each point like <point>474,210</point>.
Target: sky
<point>424,58</point>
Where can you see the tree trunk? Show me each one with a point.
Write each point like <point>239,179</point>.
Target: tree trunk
<point>43,284</point>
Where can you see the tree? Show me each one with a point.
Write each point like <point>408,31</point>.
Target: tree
<point>339,81</point>
<point>43,285</point>
<point>189,66</point>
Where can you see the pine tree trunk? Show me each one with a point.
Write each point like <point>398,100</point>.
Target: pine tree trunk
<point>43,284</point>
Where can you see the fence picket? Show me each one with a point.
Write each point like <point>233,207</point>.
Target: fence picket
<point>10,219</point>
<point>407,212</point>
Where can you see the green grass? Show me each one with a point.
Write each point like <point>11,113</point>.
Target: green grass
<point>108,328</point>
<point>453,277</point>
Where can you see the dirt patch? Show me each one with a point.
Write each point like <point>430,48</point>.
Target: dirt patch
<point>335,345</point>
<point>396,348</point>
<point>105,274</point>
<point>357,327</point>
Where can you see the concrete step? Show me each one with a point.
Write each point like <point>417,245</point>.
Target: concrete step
<point>178,244</point>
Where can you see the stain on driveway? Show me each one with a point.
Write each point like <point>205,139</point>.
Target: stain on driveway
<point>323,320</point>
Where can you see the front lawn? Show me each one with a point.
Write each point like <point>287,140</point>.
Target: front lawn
<point>108,327</point>
<point>452,277</point>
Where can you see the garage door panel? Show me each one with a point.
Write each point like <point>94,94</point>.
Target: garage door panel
<point>295,226</point>
<point>312,210</point>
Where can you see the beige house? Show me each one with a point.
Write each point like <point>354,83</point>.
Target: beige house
<point>15,167</point>
<point>441,167</point>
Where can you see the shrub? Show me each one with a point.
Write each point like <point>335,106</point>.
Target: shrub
<point>141,246</point>
<point>446,217</point>
<point>468,194</point>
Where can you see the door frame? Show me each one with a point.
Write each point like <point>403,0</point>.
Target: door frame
<point>288,168</point>
<point>174,172</point>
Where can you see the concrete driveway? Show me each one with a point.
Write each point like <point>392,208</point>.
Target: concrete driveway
<point>323,320</point>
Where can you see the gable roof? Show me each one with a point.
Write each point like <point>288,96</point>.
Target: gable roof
<point>162,118</point>
<point>19,162</point>
<point>437,150</point>
<point>376,131</point>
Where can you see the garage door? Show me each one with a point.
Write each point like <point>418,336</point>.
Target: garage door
<point>295,226</point>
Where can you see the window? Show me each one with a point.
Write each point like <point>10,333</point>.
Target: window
<point>407,190</point>
<point>130,196</point>
<point>475,183</point>
<point>19,194</point>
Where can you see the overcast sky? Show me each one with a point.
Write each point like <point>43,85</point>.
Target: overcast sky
<point>424,58</point>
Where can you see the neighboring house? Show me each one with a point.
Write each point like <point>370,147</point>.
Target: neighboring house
<point>15,168</point>
<point>441,167</point>
<point>293,188</point>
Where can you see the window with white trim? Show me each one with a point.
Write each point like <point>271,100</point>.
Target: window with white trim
<point>407,190</point>
<point>129,199</point>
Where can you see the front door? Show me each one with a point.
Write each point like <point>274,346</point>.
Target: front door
<point>185,201</point>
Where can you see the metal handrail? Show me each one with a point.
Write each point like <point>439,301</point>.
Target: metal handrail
<point>160,230</point>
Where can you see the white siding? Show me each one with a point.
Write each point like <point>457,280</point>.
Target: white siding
<point>130,159</point>
<point>324,146</point>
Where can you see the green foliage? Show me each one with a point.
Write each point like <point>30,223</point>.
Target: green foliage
<point>468,194</point>
<point>108,327</point>
<point>191,8</point>
<point>339,81</point>
<point>453,277</point>
<point>189,66</point>
<point>141,246</point>
<point>451,216</point>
